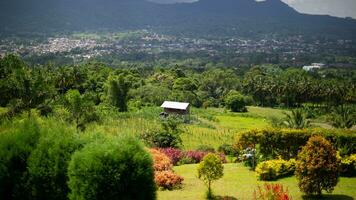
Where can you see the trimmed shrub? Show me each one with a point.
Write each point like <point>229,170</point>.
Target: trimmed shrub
<point>174,154</point>
<point>317,166</point>
<point>161,162</point>
<point>168,180</point>
<point>274,169</point>
<point>348,166</point>
<point>271,192</point>
<point>115,169</point>
<point>16,146</point>
<point>48,164</point>
<point>288,142</point>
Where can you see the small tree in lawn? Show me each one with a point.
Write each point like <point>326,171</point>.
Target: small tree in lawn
<point>317,166</point>
<point>209,170</point>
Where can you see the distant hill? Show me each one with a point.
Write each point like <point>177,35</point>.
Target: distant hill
<point>204,18</point>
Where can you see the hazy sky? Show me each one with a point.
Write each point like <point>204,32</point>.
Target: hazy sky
<point>340,8</point>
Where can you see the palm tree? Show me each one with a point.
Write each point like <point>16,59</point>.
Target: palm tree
<point>343,117</point>
<point>297,119</point>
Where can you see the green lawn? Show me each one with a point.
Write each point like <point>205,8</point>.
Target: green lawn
<point>239,182</point>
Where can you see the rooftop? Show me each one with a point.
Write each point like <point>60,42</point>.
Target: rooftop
<point>175,105</point>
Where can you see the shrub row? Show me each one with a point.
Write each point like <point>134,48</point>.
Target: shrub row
<point>274,169</point>
<point>53,162</point>
<point>287,143</point>
<point>179,157</point>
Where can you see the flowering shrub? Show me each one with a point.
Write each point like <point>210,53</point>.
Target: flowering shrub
<point>174,154</point>
<point>195,156</point>
<point>165,178</point>
<point>274,169</point>
<point>271,192</point>
<point>161,162</point>
<point>168,180</point>
<point>348,166</point>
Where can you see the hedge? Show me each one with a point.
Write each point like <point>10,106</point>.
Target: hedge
<point>112,169</point>
<point>288,142</point>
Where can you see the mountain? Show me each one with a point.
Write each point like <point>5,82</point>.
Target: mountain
<point>203,18</point>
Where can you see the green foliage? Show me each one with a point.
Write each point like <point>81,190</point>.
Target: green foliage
<point>16,145</point>
<point>296,120</point>
<point>344,117</point>
<point>209,170</point>
<point>112,169</point>
<point>167,136</point>
<point>317,166</point>
<point>81,110</point>
<point>235,101</point>
<point>274,169</point>
<point>23,87</point>
<point>48,163</point>
<point>287,142</point>
<point>118,92</point>
<point>228,149</point>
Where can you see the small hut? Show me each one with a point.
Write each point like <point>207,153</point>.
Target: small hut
<point>176,108</point>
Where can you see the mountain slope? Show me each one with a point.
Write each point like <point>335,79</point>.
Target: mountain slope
<point>203,18</point>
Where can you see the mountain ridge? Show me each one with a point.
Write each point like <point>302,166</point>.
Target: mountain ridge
<point>204,17</point>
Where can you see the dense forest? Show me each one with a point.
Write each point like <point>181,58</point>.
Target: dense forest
<point>27,87</point>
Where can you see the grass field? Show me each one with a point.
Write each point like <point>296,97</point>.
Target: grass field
<point>217,126</point>
<point>240,183</point>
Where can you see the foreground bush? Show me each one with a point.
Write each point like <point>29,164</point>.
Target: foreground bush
<point>274,169</point>
<point>271,192</point>
<point>116,169</point>
<point>48,164</point>
<point>16,146</point>
<point>317,167</point>
<point>209,170</point>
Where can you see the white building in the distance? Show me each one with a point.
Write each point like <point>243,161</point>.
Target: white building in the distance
<point>314,66</point>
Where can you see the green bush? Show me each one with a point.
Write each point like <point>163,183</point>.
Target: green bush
<point>317,167</point>
<point>235,102</point>
<point>115,169</point>
<point>48,164</point>
<point>167,136</point>
<point>274,169</point>
<point>227,149</point>
<point>16,146</point>
<point>288,142</point>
